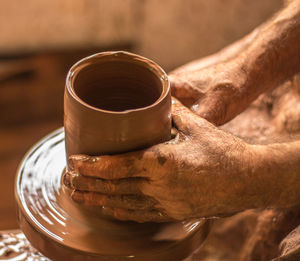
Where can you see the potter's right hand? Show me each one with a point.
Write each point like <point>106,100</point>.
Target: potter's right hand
<point>212,92</point>
<point>221,86</point>
<point>197,174</point>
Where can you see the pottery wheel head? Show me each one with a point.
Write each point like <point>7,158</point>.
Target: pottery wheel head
<point>61,229</point>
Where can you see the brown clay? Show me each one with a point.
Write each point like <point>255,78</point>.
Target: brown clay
<point>116,102</point>
<point>62,229</point>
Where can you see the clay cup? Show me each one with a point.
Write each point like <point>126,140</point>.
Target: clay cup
<point>115,102</point>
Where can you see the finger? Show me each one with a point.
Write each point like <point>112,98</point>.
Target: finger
<point>141,163</point>
<point>183,118</point>
<point>137,215</point>
<point>136,202</point>
<point>119,186</point>
<point>217,106</point>
<point>184,90</point>
<point>211,110</point>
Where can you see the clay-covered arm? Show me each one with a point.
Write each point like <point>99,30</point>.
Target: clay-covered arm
<point>274,174</point>
<point>274,55</point>
<point>222,86</point>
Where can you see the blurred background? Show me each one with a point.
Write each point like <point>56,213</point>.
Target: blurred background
<point>40,40</point>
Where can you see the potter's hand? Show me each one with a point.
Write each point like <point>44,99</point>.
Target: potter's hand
<point>211,92</point>
<point>196,174</point>
<point>221,86</point>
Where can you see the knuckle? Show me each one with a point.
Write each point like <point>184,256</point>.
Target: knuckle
<point>225,88</point>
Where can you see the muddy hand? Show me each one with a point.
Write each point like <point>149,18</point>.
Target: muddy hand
<point>189,176</point>
<point>221,86</point>
<point>212,92</point>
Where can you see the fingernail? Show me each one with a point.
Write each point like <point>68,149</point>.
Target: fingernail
<point>77,197</point>
<point>75,158</point>
<point>67,179</point>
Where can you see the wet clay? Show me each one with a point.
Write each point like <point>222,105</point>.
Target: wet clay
<point>116,102</point>
<point>105,113</point>
<point>117,86</point>
<point>63,230</point>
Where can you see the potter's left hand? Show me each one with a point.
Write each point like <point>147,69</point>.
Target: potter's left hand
<point>194,175</point>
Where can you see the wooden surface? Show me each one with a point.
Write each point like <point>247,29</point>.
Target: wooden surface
<point>15,247</point>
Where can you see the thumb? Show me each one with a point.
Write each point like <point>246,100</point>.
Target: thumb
<point>184,119</point>
<point>219,105</point>
<point>184,90</point>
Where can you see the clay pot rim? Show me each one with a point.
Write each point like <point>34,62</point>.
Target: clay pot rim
<point>122,55</point>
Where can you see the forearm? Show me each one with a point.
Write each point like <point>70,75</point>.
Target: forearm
<point>271,58</point>
<point>274,55</point>
<point>274,175</point>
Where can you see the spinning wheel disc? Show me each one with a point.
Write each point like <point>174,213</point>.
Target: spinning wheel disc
<point>62,229</point>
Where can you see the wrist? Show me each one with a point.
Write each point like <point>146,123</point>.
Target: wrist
<point>249,186</point>
<point>242,186</point>
<point>259,175</point>
<point>273,174</point>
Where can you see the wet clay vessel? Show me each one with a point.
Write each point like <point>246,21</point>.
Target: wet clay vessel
<point>114,102</point>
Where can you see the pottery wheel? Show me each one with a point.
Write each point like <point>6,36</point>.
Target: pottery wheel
<point>62,229</point>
